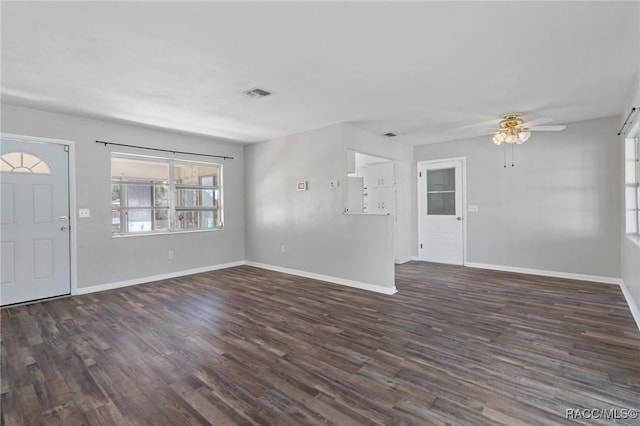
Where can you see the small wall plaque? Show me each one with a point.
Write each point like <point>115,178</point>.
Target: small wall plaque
<point>302,186</point>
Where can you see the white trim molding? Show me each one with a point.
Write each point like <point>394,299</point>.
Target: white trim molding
<point>169,275</point>
<point>635,312</point>
<point>151,278</point>
<point>327,278</point>
<point>545,273</point>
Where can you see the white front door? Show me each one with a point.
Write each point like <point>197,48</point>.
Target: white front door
<point>35,221</point>
<point>440,200</point>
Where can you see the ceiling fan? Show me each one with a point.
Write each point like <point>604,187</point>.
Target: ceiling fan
<point>513,129</point>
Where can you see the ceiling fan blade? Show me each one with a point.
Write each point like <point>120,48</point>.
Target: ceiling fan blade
<point>556,128</point>
<point>537,121</point>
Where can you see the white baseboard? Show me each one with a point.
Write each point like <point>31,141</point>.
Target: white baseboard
<point>415,257</point>
<point>151,278</point>
<point>635,312</point>
<point>327,278</point>
<point>544,273</point>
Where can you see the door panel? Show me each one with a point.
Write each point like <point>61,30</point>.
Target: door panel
<point>8,204</point>
<point>8,263</point>
<point>441,212</point>
<point>41,203</point>
<point>42,259</point>
<point>35,227</point>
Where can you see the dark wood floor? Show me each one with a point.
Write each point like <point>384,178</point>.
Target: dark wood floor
<point>248,346</point>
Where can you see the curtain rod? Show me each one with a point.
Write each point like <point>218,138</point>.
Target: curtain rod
<point>627,121</point>
<point>224,157</point>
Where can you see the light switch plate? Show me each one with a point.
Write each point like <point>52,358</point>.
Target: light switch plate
<point>84,213</point>
<point>472,208</point>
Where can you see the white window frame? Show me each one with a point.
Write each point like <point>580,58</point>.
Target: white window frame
<point>173,209</point>
<point>632,137</point>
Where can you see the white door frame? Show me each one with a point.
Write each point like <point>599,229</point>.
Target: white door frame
<point>73,252</point>
<point>419,192</point>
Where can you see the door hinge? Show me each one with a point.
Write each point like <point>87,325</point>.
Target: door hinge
<point>66,148</point>
<point>420,245</point>
<point>420,174</point>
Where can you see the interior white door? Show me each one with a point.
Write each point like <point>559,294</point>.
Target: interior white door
<point>35,255</point>
<point>440,187</point>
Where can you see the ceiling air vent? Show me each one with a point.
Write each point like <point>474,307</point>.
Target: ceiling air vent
<point>390,135</point>
<point>257,93</point>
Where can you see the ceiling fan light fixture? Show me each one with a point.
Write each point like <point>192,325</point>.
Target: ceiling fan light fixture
<point>511,130</point>
<point>523,136</point>
<point>511,137</point>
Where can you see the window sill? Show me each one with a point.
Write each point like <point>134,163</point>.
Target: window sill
<point>147,234</point>
<point>634,238</point>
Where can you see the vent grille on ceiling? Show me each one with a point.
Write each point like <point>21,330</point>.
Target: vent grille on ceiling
<point>257,93</point>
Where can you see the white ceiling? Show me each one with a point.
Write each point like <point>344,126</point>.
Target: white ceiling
<point>428,71</point>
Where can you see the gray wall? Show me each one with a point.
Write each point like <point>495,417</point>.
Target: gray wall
<point>630,255</point>
<point>103,259</point>
<point>317,237</point>
<point>558,209</point>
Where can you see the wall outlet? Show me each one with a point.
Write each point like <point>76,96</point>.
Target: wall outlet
<point>282,249</point>
<point>171,254</point>
<point>84,213</point>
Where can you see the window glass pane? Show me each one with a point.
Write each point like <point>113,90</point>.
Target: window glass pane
<point>195,174</point>
<point>138,195</point>
<point>196,197</point>
<point>441,203</point>
<point>208,198</point>
<point>632,221</point>
<point>139,169</point>
<point>186,198</point>
<point>441,180</point>
<point>41,169</point>
<point>631,200</point>
<point>161,219</point>
<point>161,195</point>
<point>138,220</point>
<point>13,158</point>
<point>630,172</point>
<point>29,160</point>
<point>22,162</point>
<point>208,219</point>
<point>116,195</point>
<point>115,222</point>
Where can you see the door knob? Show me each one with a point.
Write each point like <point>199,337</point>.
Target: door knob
<point>458,218</point>
<point>64,228</point>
